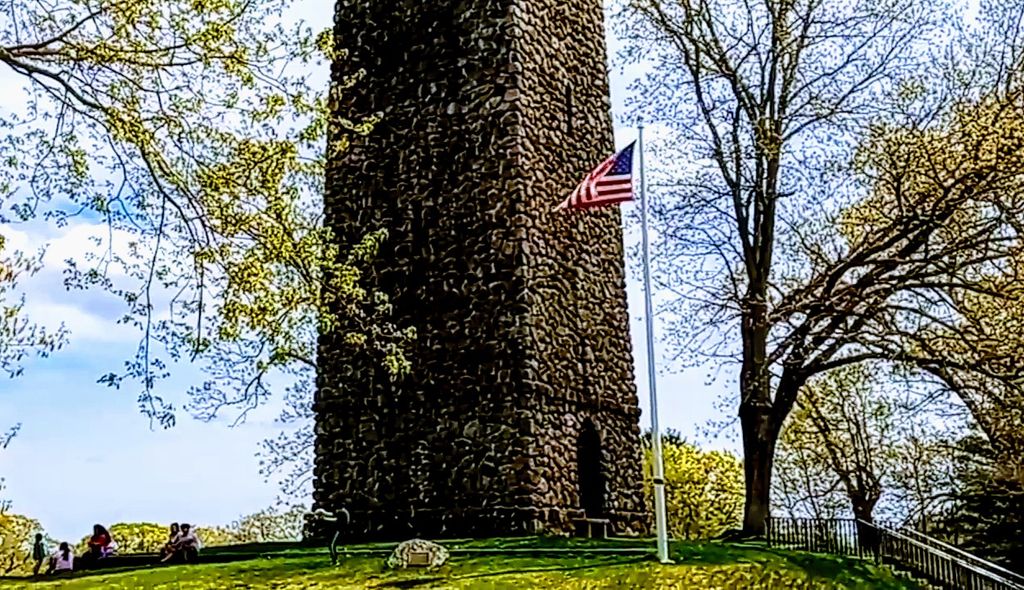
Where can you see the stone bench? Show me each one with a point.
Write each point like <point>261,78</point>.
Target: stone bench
<point>135,560</point>
<point>118,560</point>
<point>593,528</point>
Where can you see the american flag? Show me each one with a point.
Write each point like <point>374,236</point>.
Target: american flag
<point>611,182</point>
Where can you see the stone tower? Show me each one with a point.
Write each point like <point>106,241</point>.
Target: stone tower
<point>521,412</point>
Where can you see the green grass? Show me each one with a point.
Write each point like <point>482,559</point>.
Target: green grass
<point>698,565</point>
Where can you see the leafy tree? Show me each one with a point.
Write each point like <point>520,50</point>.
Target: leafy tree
<point>749,88</point>
<point>838,208</point>
<point>17,534</point>
<point>136,537</point>
<point>216,536</point>
<point>986,516</point>
<point>704,489</point>
<point>803,485</point>
<point>196,132</point>
<point>149,537</point>
<point>19,338</point>
<point>843,424</point>
<point>924,486</point>
<point>853,447</point>
<point>271,524</point>
<point>289,457</point>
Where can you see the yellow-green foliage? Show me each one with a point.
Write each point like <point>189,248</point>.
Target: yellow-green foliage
<point>142,537</point>
<point>270,524</point>
<point>839,445</point>
<point>134,537</point>
<point>963,169</point>
<point>704,490</point>
<point>17,534</point>
<point>197,130</point>
<point>148,537</point>
<point>963,176</point>
<point>217,536</point>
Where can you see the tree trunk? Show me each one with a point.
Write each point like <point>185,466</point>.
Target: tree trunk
<point>867,535</point>
<point>757,417</point>
<point>759,437</point>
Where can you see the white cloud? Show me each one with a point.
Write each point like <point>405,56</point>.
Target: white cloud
<point>74,241</point>
<point>159,476</point>
<point>85,327</point>
<point>90,315</point>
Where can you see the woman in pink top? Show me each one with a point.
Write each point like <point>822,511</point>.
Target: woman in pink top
<point>62,560</point>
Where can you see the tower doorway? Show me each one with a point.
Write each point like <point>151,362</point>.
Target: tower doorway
<point>591,476</point>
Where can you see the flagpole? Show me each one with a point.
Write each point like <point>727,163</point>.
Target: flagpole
<point>660,517</point>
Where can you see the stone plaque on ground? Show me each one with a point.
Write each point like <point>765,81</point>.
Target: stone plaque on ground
<point>417,553</point>
<point>419,559</point>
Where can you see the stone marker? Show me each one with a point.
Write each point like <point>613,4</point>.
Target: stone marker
<point>417,553</point>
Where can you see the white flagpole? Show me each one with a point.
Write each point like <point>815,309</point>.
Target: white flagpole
<point>660,516</point>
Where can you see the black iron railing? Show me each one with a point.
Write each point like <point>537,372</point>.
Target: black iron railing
<point>837,536</point>
<point>915,553</point>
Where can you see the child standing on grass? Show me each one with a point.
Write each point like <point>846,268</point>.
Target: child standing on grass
<point>38,553</point>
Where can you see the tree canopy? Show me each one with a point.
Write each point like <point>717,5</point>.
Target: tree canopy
<point>195,133</point>
<point>833,206</point>
<point>17,533</point>
<point>704,489</point>
<point>861,444</point>
<point>267,525</point>
<point>984,515</point>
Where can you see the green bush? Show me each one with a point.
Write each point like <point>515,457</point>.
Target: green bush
<point>703,489</point>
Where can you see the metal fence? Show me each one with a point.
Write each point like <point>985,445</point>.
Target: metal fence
<point>915,553</point>
<point>837,536</point>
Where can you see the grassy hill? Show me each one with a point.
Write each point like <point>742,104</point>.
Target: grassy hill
<point>520,563</point>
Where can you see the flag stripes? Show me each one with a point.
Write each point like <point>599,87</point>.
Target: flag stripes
<point>611,182</point>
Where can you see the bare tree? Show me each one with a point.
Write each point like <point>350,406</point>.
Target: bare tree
<point>839,439</point>
<point>861,443</point>
<point>833,208</point>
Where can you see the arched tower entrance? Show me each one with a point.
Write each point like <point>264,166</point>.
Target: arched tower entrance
<point>591,471</point>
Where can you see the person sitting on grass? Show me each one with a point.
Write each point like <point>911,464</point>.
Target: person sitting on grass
<point>62,561</point>
<point>101,545</point>
<point>187,546</point>
<point>189,543</point>
<point>38,553</point>
<point>172,539</point>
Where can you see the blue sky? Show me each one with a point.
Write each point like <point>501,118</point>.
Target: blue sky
<point>86,455</point>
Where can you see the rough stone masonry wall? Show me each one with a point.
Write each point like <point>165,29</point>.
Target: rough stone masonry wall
<point>520,312</point>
